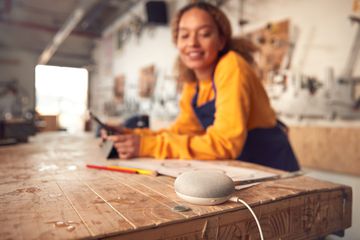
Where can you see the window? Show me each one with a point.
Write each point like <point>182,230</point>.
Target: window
<point>62,91</point>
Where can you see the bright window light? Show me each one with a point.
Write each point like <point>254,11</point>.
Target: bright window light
<point>62,91</point>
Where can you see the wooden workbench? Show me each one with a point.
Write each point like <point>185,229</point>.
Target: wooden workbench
<point>47,193</point>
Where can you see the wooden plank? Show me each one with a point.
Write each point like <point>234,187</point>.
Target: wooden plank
<point>46,192</point>
<point>100,218</point>
<point>327,148</point>
<point>136,206</point>
<point>158,185</point>
<point>139,183</point>
<point>304,217</point>
<point>168,191</point>
<point>36,210</point>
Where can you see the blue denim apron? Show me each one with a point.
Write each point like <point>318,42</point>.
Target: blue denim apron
<point>265,146</point>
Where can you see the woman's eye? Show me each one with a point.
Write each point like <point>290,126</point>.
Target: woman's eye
<point>183,36</point>
<point>205,34</point>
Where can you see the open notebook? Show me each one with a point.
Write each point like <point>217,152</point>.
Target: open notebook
<point>174,168</point>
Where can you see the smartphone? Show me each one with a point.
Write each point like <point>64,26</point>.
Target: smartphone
<point>110,130</point>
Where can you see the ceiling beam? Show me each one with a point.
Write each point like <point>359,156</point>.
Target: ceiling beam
<point>35,50</point>
<point>45,28</point>
<point>65,30</point>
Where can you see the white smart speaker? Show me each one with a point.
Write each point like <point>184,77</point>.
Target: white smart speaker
<point>204,187</point>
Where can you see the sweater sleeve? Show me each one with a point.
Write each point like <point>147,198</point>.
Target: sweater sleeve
<point>225,138</point>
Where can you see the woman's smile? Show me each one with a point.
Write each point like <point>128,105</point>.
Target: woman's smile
<point>195,55</point>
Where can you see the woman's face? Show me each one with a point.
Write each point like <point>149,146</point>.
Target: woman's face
<point>198,40</point>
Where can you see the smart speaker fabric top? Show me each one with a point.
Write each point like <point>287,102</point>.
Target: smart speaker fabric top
<point>204,184</point>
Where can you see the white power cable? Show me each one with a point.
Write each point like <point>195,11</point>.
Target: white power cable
<point>238,200</point>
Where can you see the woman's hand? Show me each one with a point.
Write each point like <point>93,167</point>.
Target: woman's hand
<point>110,129</point>
<point>127,146</point>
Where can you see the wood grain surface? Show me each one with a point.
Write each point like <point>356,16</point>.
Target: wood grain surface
<point>46,192</point>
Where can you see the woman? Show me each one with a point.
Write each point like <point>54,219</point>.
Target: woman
<point>224,110</point>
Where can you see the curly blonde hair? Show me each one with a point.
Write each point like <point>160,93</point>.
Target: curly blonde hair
<point>242,46</point>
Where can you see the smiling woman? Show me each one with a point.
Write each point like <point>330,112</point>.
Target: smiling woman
<point>224,110</point>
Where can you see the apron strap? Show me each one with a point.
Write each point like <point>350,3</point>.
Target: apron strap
<point>282,126</point>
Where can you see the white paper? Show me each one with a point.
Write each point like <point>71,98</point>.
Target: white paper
<point>174,168</point>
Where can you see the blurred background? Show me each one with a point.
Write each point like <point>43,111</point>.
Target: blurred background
<point>59,59</point>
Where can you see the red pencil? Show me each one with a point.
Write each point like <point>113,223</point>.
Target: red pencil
<point>112,169</point>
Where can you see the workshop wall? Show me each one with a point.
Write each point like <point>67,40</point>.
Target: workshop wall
<point>306,90</point>
<point>321,36</point>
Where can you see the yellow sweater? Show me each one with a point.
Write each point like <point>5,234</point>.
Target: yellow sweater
<point>241,105</point>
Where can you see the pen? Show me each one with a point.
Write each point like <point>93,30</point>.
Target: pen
<point>111,169</point>
<point>138,170</point>
<point>124,169</point>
